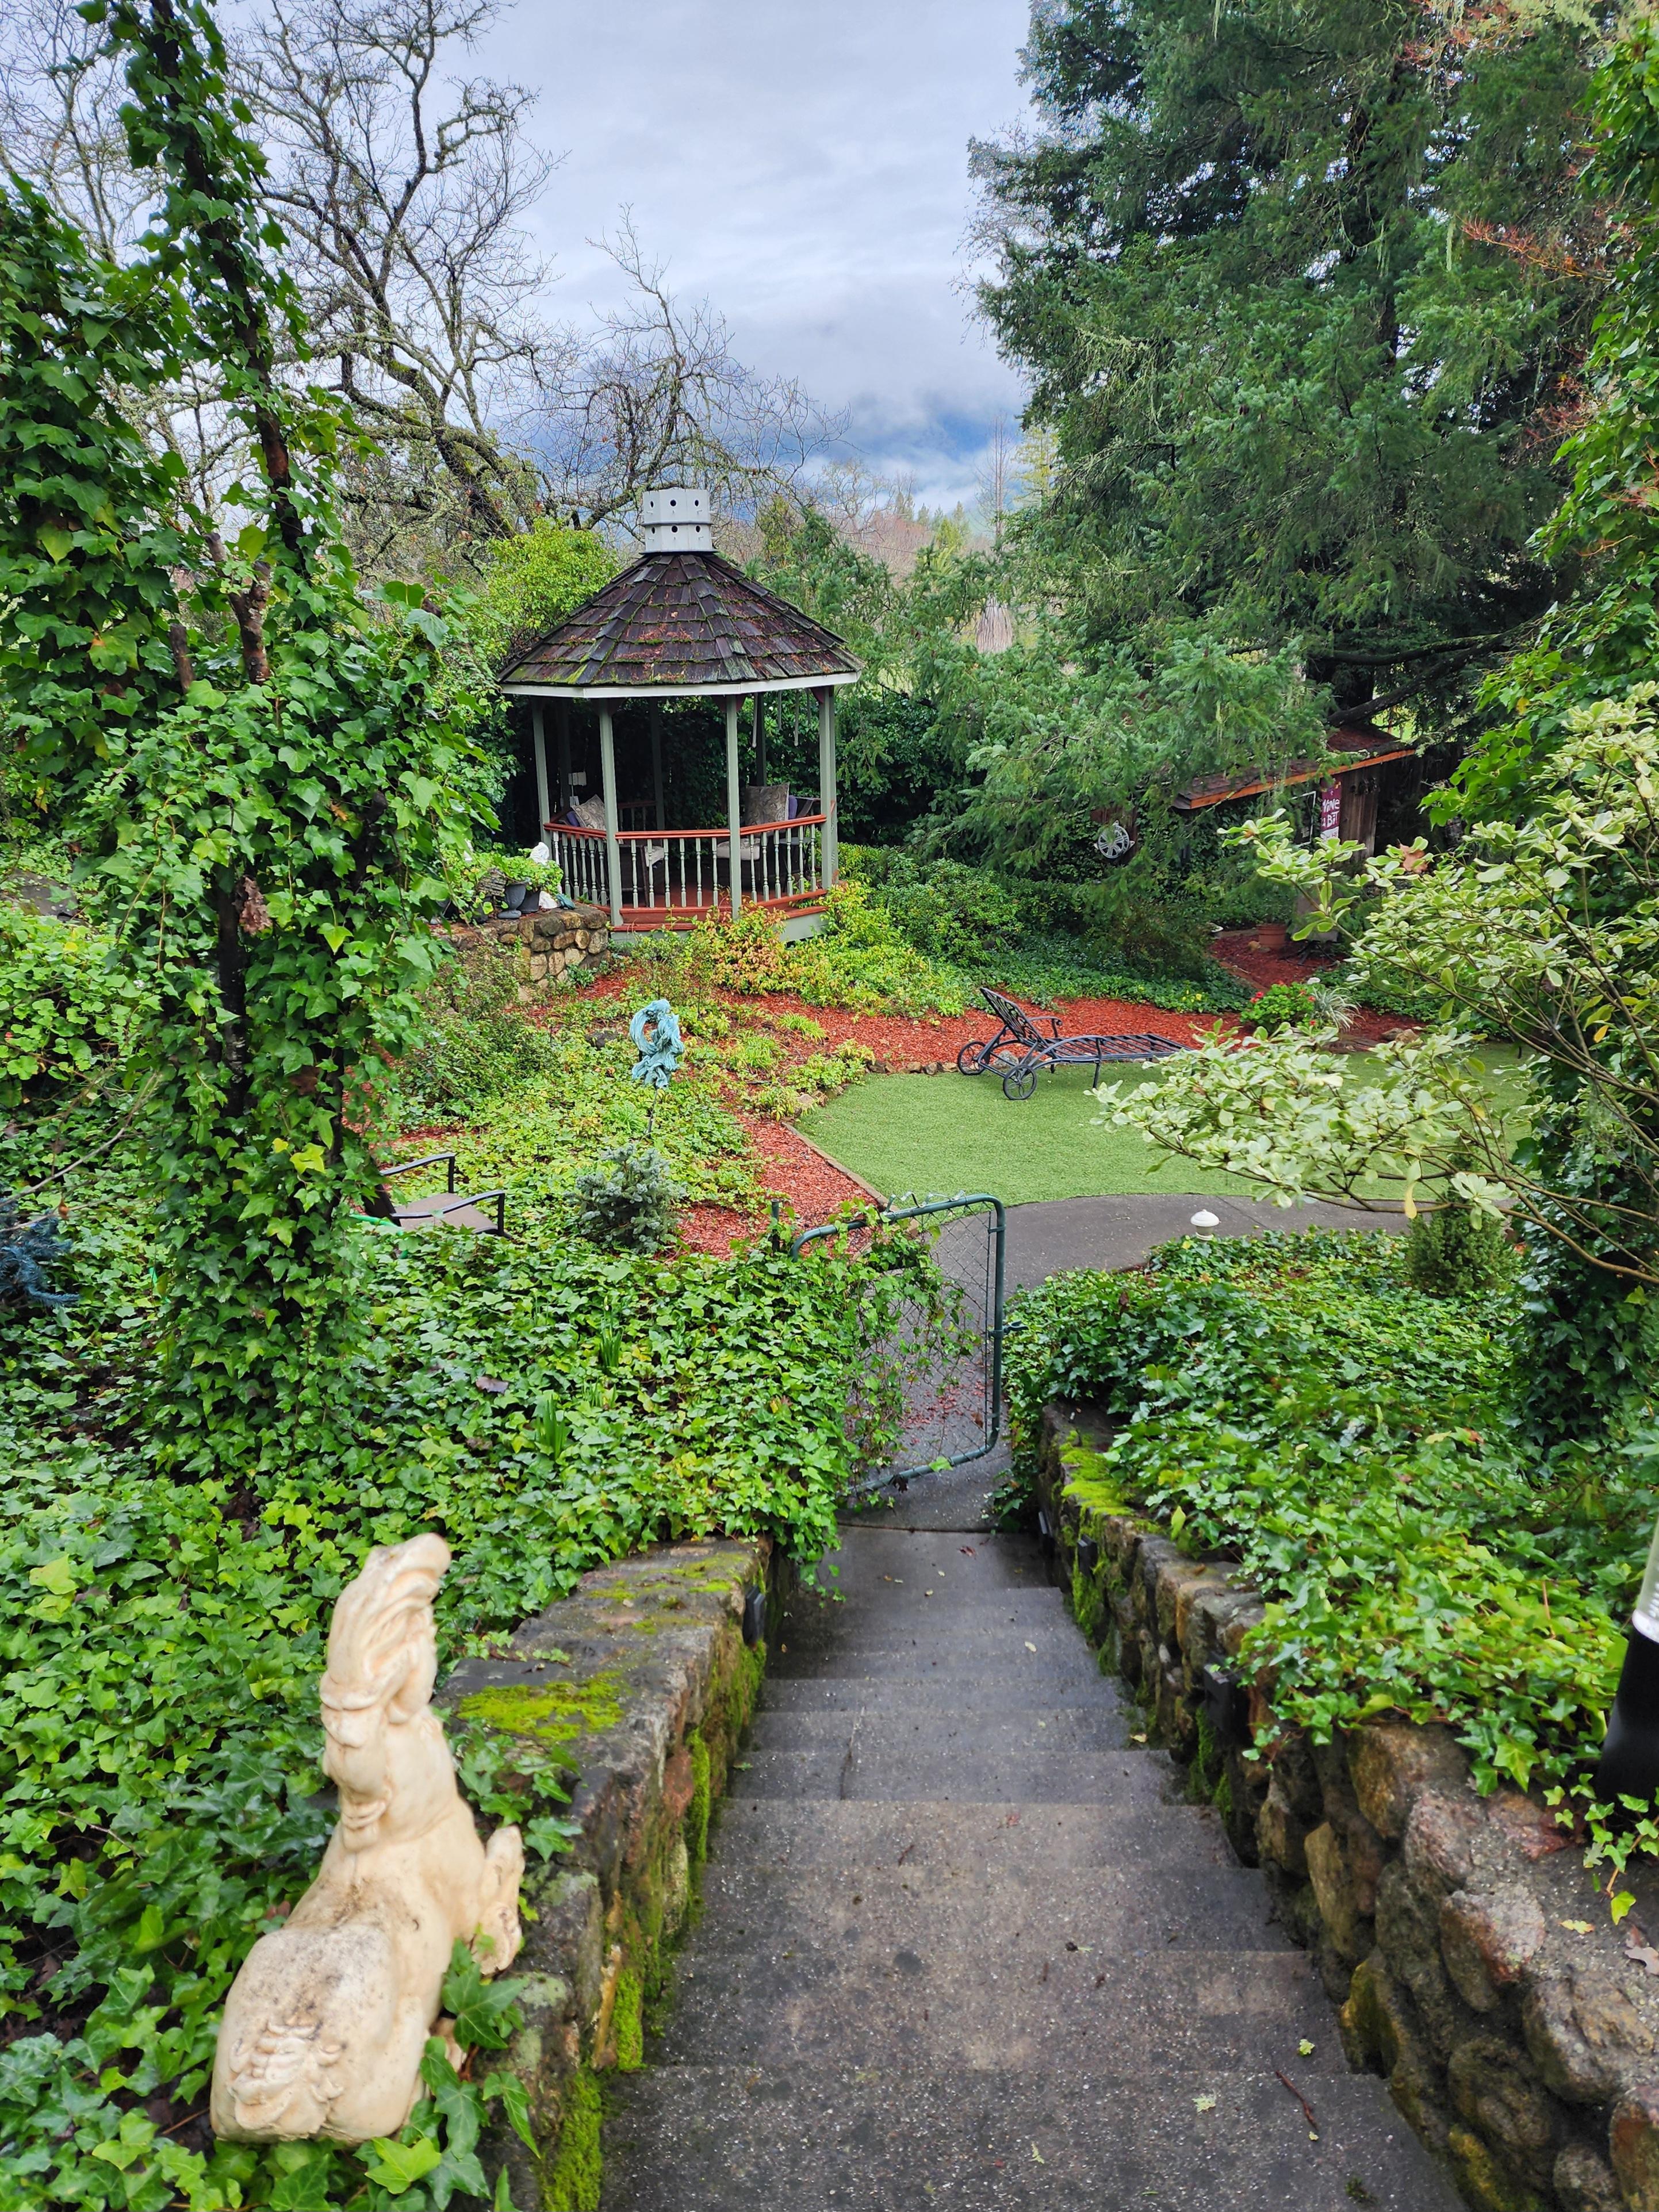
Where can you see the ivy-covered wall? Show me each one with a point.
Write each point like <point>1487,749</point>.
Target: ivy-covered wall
<point>1476,1962</point>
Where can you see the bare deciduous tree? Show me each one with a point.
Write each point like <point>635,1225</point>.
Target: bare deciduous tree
<point>402,185</point>
<point>658,392</point>
<point>404,190</point>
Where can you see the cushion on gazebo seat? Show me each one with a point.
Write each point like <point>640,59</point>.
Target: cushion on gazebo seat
<point>587,814</point>
<point>763,802</point>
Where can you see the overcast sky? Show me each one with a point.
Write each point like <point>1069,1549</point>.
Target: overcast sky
<point>805,166</point>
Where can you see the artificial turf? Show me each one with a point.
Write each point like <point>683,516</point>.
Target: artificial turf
<point>934,1135</point>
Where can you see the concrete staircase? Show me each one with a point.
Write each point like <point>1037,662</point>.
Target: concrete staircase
<point>963,1944</point>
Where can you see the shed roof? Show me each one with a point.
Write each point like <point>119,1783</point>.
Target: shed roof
<point>679,622</point>
<point>1362,745</point>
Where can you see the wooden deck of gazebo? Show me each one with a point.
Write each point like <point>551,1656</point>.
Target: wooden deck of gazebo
<point>683,623</point>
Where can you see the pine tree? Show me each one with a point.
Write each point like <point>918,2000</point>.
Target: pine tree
<point>1301,292</point>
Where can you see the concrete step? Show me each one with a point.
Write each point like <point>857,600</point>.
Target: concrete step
<point>1010,2005</point>
<point>1098,1912</point>
<point>971,1773</point>
<point>1030,1647</point>
<point>867,2139</point>
<point>940,1690</point>
<point>935,1837</point>
<point>892,1727</point>
<point>963,1940</point>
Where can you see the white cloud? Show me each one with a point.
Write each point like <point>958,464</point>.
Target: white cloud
<point>805,168</point>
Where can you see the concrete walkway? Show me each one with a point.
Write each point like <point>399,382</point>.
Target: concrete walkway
<point>1119,1232</point>
<point>963,1945</point>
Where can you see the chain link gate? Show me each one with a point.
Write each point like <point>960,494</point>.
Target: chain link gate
<point>952,1390</point>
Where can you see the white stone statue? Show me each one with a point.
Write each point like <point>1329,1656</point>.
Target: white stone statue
<point>325,2024</point>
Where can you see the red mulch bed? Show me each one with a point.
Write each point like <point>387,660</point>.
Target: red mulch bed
<point>1263,956</point>
<point>809,1189</point>
<point>812,1190</point>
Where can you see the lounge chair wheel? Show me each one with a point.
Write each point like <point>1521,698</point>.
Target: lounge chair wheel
<point>1021,1084</point>
<point>974,1058</point>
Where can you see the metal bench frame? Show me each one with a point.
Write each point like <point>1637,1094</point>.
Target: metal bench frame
<point>1022,1051</point>
<point>478,1198</point>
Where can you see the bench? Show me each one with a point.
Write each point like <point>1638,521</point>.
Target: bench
<point>1022,1051</point>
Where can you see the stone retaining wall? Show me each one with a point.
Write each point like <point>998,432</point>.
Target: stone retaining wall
<point>1475,1963</point>
<point>558,941</point>
<point>634,1692</point>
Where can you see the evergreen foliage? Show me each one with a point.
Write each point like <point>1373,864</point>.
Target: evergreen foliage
<point>628,1202</point>
<point>1456,1251</point>
<point>1297,291</point>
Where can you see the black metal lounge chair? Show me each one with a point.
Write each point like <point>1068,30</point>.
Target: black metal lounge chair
<point>1022,1051</point>
<point>466,1213</point>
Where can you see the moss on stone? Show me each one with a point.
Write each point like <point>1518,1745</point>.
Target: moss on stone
<point>554,1712</point>
<point>627,2022</point>
<point>571,2182</point>
<point>1090,1480</point>
<point>1207,1778</point>
<point>1088,1603</point>
<point>696,1814</point>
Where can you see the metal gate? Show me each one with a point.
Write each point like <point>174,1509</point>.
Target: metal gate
<point>951,1378</point>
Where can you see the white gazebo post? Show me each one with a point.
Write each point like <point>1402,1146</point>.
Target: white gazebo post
<point>733,806</point>
<point>612,850</point>
<point>544,806</point>
<point>827,782</point>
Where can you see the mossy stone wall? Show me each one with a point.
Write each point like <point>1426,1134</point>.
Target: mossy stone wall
<point>1476,1962</point>
<point>630,1695</point>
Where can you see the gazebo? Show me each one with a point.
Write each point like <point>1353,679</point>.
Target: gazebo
<point>683,623</point>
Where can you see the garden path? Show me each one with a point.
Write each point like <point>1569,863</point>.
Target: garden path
<point>962,1943</point>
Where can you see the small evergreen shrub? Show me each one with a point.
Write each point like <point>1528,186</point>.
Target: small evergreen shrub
<point>28,1249</point>
<point>1458,1252</point>
<point>628,1202</point>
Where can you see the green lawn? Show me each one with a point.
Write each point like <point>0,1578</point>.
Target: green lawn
<point>934,1135</point>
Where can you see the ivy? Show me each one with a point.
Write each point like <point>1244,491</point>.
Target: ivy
<point>1292,1404</point>
<point>263,775</point>
<point>160,1638</point>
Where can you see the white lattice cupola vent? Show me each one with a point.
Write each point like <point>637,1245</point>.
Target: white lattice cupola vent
<point>677,520</point>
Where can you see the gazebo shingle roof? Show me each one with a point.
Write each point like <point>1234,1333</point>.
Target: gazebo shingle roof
<point>680,622</point>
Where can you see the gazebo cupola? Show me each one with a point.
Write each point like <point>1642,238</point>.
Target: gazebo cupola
<point>683,623</point>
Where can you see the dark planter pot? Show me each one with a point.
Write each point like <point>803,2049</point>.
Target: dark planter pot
<point>513,897</point>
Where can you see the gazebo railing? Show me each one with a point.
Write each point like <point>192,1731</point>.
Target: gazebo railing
<point>674,872</point>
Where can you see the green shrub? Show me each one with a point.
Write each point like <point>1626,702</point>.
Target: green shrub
<point>951,913</point>
<point>63,1010</point>
<point>1041,941</point>
<point>861,958</point>
<point>1295,1404</point>
<point>823,1076</point>
<point>1284,1006</point>
<point>628,1202</point>
<point>1456,1251</point>
<point>478,1042</point>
